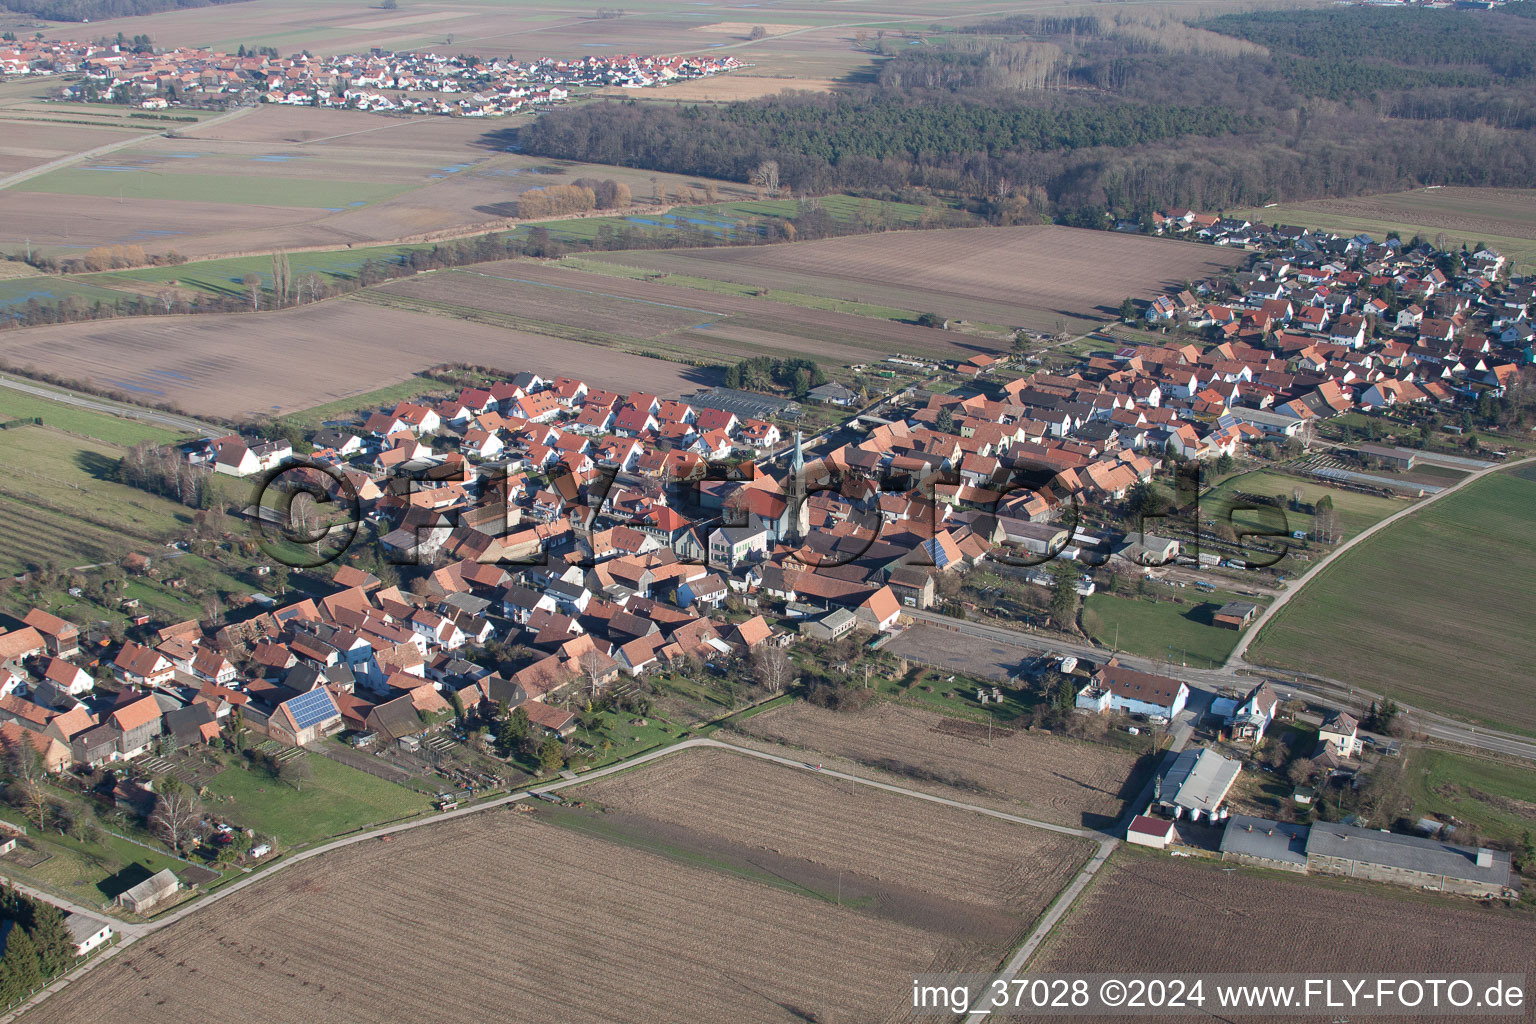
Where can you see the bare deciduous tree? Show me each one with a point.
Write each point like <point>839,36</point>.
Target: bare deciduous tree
<point>766,176</point>
<point>178,819</point>
<point>252,284</point>
<point>772,668</point>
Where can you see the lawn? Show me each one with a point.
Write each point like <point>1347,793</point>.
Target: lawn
<point>252,190</point>
<point>1434,611</point>
<point>1357,512</point>
<point>1496,798</point>
<point>90,873</point>
<point>1180,633</point>
<point>337,799</point>
<point>102,426</point>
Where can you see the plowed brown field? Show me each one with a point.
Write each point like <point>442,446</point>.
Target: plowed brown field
<point>1151,913</point>
<point>503,918</point>
<point>1048,777</point>
<point>1018,277</point>
<point>946,854</point>
<point>247,364</point>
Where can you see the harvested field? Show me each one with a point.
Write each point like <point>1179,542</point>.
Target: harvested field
<point>1249,920</point>
<point>25,144</point>
<point>582,930</point>
<point>1047,777</point>
<point>236,365</point>
<point>313,177</point>
<point>1032,277</point>
<point>941,868</point>
<point>532,27</point>
<point>687,323</point>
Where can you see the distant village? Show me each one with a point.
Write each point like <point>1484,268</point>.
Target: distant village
<point>415,83</point>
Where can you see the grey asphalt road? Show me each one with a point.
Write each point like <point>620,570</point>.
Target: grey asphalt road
<point>1328,692</point>
<point>134,412</point>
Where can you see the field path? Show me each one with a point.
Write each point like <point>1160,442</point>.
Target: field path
<point>1235,660</point>
<point>112,147</point>
<point>131,933</point>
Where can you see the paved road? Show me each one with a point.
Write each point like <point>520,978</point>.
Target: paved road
<point>1236,659</point>
<point>1329,692</point>
<point>112,147</point>
<point>130,933</point>
<point>134,412</point>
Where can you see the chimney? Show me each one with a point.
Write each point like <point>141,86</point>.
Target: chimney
<point>1484,857</point>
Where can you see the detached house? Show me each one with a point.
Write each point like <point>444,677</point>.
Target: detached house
<point>137,665</point>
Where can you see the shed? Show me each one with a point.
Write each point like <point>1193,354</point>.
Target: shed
<point>1235,614</point>
<point>149,893</point>
<point>1148,831</point>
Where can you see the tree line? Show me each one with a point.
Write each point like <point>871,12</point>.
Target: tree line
<point>1072,118</point>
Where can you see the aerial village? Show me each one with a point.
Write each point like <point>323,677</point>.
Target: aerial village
<point>413,83</point>
<point>557,545</point>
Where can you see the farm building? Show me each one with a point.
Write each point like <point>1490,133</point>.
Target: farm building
<point>1268,844</point>
<point>1235,614</point>
<point>1035,538</point>
<point>1114,688</point>
<point>1273,424</point>
<point>831,626</point>
<point>1335,849</point>
<point>305,718</point>
<point>87,932</point>
<point>145,896</point>
<point>1393,458</point>
<point>1148,831</point>
<point>1197,784</point>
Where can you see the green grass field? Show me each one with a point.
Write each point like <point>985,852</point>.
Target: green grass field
<point>17,292</point>
<point>58,502</point>
<point>1356,511</point>
<point>1496,798</point>
<point>100,425</point>
<point>1434,611</point>
<point>1181,633</point>
<point>338,799</point>
<point>224,276</point>
<point>247,190</point>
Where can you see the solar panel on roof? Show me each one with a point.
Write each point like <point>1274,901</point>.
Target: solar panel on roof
<point>312,708</point>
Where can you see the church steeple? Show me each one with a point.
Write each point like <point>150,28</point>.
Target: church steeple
<point>799,507</point>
